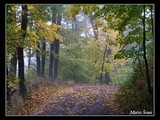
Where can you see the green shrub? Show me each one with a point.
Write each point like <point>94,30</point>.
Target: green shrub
<point>134,95</point>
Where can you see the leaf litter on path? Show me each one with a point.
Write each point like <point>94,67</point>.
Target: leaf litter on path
<point>78,100</point>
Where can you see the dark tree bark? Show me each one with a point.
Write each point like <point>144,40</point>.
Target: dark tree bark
<point>144,55</point>
<point>38,62</point>
<point>51,63</point>
<point>22,87</point>
<point>103,64</point>
<point>56,59</point>
<point>51,66</point>
<point>43,58</point>
<point>57,44</point>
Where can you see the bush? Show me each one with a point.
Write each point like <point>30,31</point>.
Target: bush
<point>134,95</point>
<point>72,68</point>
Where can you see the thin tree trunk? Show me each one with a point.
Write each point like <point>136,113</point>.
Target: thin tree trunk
<point>144,55</point>
<point>43,58</point>
<point>51,66</point>
<point>139,61</point>
<point>103,64</point>
<point>38,62</point>
<point>57,44</point>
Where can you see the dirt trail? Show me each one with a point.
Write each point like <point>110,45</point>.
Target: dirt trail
<point>81,100</point>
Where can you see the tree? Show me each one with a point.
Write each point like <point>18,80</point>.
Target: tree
<point>38,61</point>
<point>43,57</point>
<point>103,64</point>
<point>57,44</point>
<point>51,66</point>
<point>22,86</point>
<point>144,53</point>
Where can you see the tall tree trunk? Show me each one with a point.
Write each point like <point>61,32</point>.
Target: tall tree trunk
<point>57,44</point>
<point>103,64</point>
<point>144,55</point>
<point>22,87</point>
<point>38,62</point>
<point>29,58</point>
<point>51,63</point>
<point>43,58</point>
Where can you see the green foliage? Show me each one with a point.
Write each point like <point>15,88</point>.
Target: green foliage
<point>134,95</point>
<point>72,68</point>
<point>72,65</point>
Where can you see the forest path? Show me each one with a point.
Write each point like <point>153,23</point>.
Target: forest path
<point>81,100</point>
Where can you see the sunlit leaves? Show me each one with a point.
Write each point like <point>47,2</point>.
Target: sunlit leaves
<point>49,32</point>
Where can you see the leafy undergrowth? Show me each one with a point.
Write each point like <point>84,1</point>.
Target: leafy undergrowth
<point>77,100</point>
<point>132,98</point>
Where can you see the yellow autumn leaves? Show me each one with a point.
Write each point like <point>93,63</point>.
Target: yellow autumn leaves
<point>43,31</point>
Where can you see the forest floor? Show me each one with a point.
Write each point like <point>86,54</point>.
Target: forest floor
<point>77,100</point>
